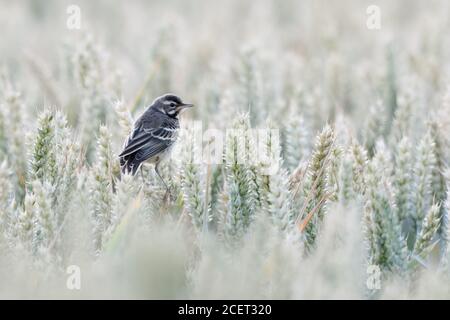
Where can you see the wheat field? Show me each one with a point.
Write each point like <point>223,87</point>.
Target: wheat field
<point>344,195</point>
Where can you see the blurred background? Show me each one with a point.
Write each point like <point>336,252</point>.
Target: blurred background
<point>321,44</point>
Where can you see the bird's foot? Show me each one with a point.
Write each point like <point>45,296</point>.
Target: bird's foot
<point>168,196</point>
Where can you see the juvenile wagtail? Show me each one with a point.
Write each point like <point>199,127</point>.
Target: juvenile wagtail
<point>154,134</point>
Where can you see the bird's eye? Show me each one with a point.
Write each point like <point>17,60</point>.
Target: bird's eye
<point>172,104</point>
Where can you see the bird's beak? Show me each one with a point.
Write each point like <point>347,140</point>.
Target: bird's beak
<point>184,105</point>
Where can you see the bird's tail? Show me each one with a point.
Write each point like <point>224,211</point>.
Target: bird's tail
<point>129,165</point>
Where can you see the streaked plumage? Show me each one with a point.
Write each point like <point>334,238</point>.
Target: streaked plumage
<point>153,135</point>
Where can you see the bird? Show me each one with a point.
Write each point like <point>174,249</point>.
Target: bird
<point>153,135</point>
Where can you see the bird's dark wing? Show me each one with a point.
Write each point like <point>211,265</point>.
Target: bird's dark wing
<point>148,139</point>
<point>156,139</point>
<point>153,148</point>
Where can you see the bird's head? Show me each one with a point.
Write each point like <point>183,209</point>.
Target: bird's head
<point>170,104</point>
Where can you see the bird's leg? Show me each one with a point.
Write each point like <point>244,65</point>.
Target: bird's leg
<point>157,172</point>
<point>142,174</point>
